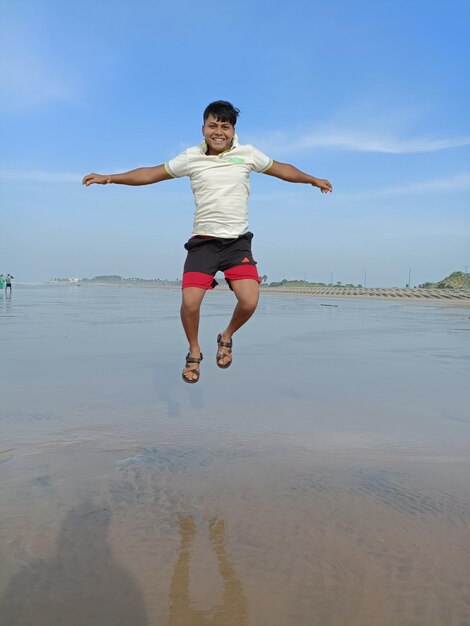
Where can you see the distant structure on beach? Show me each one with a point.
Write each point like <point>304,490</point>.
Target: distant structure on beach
<point>65,280</point>
<point>456,280</point>
<point>115,279</point>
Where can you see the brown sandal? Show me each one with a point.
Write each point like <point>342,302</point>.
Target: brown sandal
<point>194,370</point>
<point>221,355</point>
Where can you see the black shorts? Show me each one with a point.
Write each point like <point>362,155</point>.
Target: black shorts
<point>208,255</point>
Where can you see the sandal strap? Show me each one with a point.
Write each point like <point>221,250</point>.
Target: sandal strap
<point>224,344</point>
<point>193,359</point>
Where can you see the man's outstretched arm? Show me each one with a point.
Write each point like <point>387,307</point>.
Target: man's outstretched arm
<point>291,174</point>
<point>140,176</point>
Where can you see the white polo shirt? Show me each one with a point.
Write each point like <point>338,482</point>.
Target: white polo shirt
<point>221,186</point>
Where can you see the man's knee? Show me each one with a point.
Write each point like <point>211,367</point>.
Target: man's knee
<point>247,293</point>
<point>248,302</point>
<point>190,307</point>
<point>192,301</point>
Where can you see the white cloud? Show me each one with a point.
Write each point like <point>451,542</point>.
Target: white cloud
<point>458,182</point>
<point>39,176</point>
<point>423,190</point>
<point>365,142</point>
<point>357,141</point>
<point>42,176</point>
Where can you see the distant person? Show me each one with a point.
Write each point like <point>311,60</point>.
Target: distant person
<point>8,280</point>
<point>2,281</point>
<point>219,170</point>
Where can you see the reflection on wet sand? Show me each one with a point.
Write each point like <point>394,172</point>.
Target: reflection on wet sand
<point>232,610</point>
<point>343,482</point>
<point>82,586</point>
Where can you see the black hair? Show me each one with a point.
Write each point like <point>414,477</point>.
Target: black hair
<point>223,111</point>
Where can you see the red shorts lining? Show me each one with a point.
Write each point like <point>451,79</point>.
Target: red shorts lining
<point>241,272</point>
<point>198,279</point>
<point>206,281</point>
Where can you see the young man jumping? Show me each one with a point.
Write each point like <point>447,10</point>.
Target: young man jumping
<point>219,170</point>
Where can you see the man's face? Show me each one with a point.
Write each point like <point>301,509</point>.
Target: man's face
<point>218,135</point>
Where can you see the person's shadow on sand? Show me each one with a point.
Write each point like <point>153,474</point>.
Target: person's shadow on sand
<point>82,586</point>
<point>232,611</point>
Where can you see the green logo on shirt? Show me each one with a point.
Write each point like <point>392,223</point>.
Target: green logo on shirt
<point>235,159</point>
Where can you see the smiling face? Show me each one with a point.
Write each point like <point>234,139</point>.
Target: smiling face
<point>218,135</point>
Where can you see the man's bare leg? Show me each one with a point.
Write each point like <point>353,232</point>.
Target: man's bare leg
<point>190,314</point>
<point>247,294</point>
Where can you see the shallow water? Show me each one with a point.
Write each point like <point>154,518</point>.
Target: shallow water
<point>322,480</point>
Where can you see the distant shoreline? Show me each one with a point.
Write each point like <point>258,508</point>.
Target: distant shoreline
<point>376,293</point>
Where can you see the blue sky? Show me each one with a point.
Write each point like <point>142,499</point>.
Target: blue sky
<point>374,96</point>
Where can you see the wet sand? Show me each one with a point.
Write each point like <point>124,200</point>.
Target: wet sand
<point>321,480</point>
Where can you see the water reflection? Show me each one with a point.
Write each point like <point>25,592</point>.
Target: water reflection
<point>233,608</point>
<point>82,585</point>
<point>167,388</point>
<point>5,304</point>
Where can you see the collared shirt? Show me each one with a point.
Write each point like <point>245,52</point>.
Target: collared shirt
<point>221,186</point>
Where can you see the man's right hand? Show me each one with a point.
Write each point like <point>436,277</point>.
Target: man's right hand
<point>98,179</point>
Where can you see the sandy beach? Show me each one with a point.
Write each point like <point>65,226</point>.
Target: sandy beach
<point>321,481</point>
